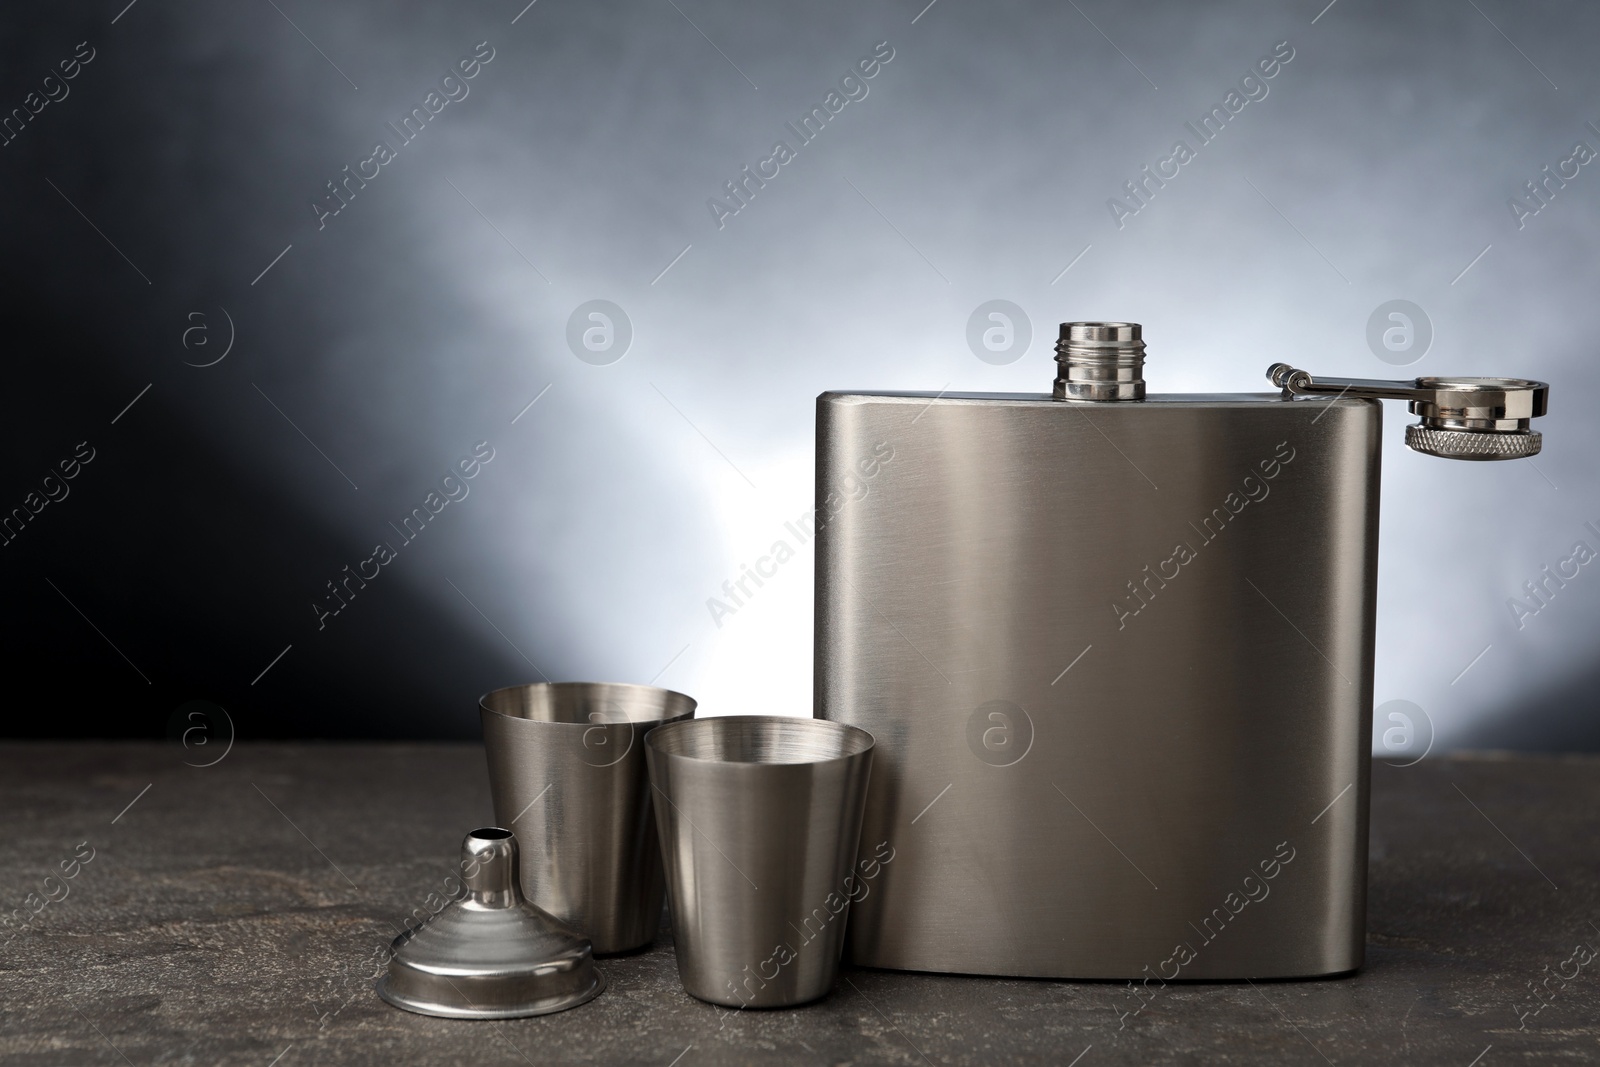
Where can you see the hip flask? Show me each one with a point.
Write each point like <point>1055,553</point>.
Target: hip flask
<point>1117,652</point>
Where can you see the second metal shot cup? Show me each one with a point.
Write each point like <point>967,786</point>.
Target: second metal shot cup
<point>760,817</point>
<point>567,770</point>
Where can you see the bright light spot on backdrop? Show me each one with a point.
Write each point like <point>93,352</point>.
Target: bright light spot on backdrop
<point>759,660</point>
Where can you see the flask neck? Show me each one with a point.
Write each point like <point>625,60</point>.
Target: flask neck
<point>1099,361</point>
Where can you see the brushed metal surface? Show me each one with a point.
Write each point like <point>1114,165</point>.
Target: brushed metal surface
<point>567,773</point>
<point>1074,789</point>
<point>490,955</point>
<point>759,818</point>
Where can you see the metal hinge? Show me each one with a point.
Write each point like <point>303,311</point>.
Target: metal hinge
<point>1461,418</point>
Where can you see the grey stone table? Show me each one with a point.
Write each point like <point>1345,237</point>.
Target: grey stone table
<point>235,913</point>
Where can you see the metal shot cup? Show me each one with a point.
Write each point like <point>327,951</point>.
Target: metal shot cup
<point>760,817</point>
<point>567,771</point>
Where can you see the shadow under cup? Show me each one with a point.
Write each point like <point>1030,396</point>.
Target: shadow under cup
<point>760,817</point>
<point>568,776</point>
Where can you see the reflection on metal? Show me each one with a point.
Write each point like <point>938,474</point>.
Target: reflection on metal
<point>566,764</point>
<point>491,955</point>
<point>760,816</point>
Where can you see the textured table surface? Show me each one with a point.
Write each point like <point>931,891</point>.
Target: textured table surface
<point>232,914</point>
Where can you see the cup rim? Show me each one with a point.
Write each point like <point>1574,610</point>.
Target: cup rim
<point>653,742</point>
<point>671,696</point>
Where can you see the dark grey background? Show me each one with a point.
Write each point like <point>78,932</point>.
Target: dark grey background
<point>428,313</point>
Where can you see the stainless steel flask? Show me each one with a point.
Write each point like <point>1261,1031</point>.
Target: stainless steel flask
<point>1117,653</point>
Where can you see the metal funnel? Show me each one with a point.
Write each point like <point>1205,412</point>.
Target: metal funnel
<point>491,955</point>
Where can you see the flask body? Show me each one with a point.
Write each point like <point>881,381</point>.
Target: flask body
<point>1118,661</point>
